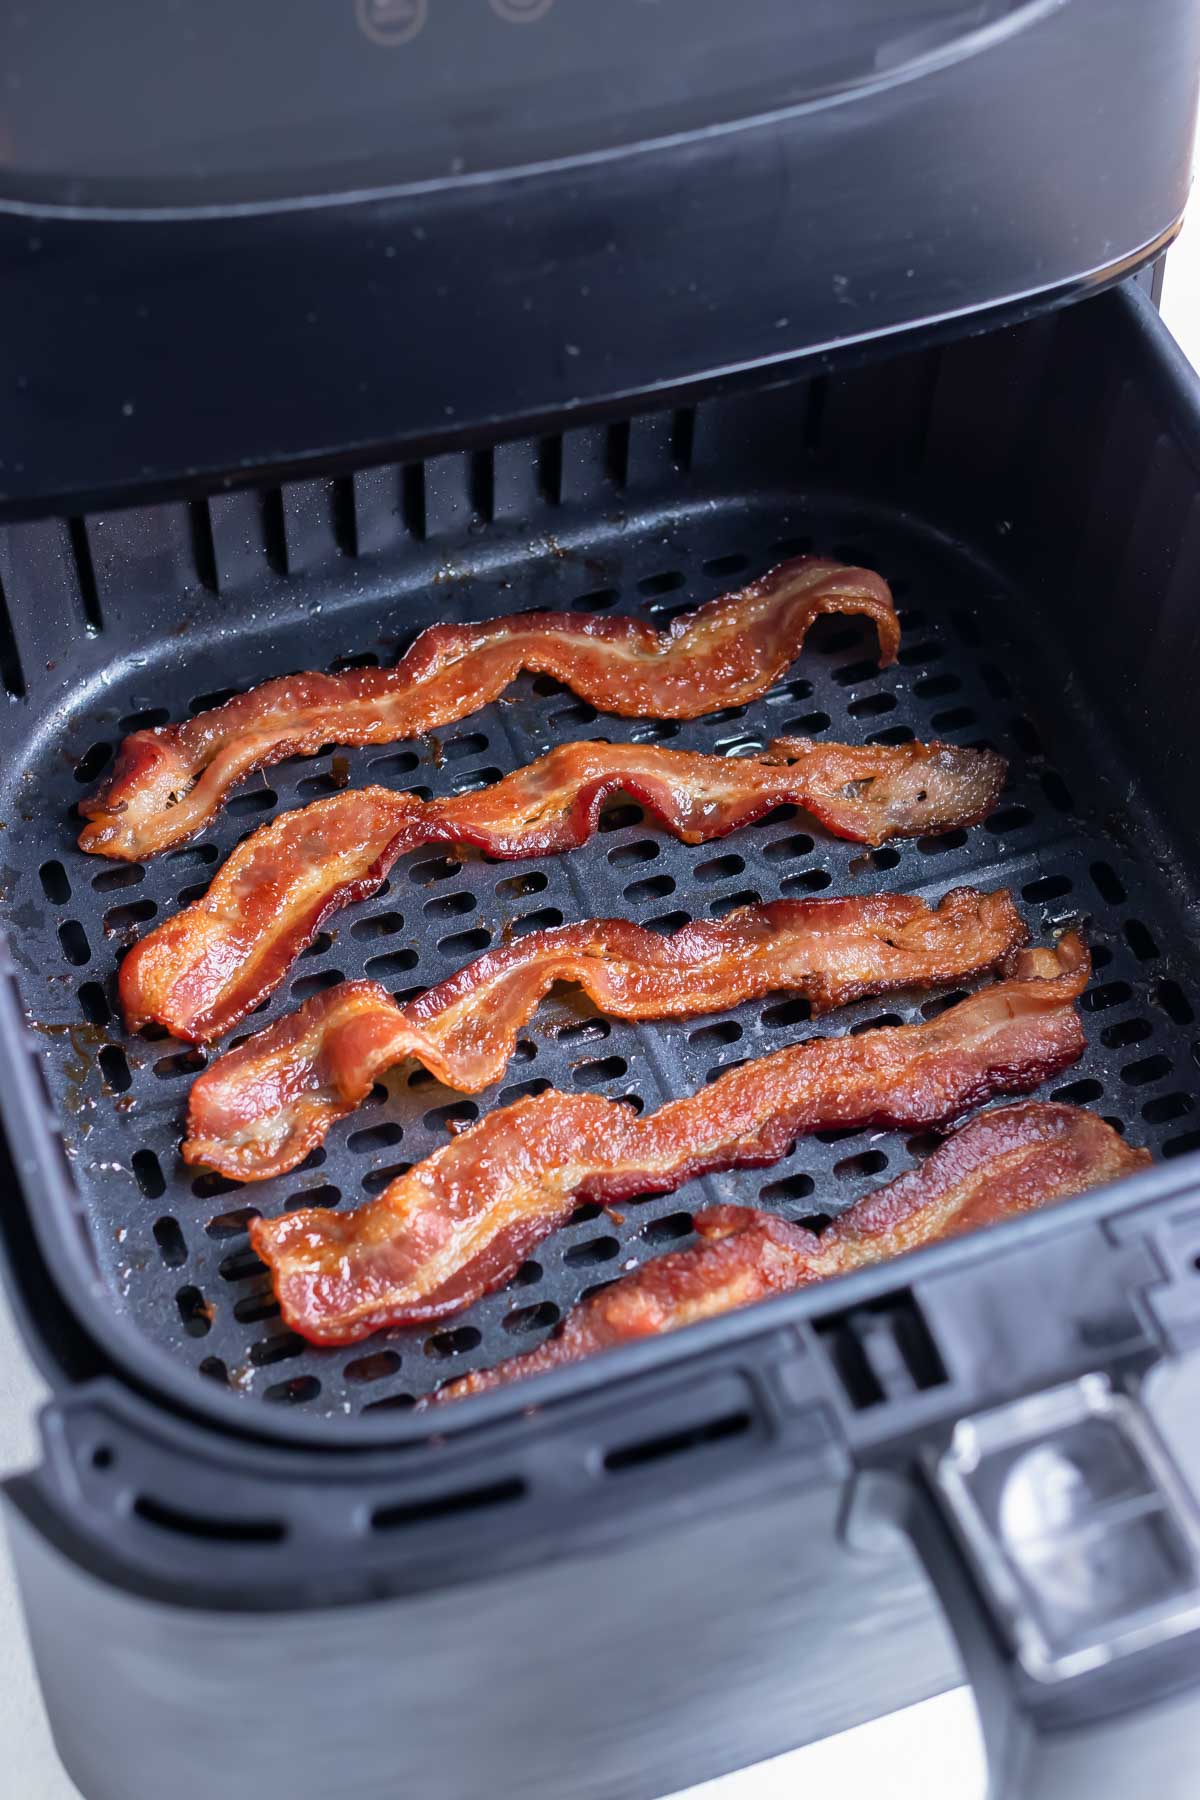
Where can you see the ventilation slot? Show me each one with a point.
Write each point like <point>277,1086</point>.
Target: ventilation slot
<point>85,574</point>
<point>677,1443</point>
<point>448,1506</point>
<point>882,1352</point>
<point>204,1525</point>
<point>11,672</point>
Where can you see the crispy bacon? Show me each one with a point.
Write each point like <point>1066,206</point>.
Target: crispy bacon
<point>208,966</point>
<point>170,782</point>
<point>262,1108</point>
<point>461,1222</point>
<point>1002,1164</point>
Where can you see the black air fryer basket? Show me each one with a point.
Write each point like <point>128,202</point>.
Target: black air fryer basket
<point>493,315</point>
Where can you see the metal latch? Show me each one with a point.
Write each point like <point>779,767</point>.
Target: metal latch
<point>1077,1525</point>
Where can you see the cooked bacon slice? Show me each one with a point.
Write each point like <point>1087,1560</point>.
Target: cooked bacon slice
<point>458,1224</point>
<point>170,782</point>
<point>208,966</point>
<point>262,1108</point>
<point>1002,1164</point>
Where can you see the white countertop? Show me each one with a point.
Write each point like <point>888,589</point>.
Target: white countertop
<point>929,1752</point>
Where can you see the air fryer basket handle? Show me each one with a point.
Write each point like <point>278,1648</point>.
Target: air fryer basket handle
<point>1065,1549</point>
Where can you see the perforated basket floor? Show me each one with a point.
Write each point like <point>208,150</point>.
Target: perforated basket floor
<point>172,1245</point>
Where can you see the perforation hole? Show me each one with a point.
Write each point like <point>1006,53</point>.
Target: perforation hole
<point>399,762</point>
<point>872,706</point>
<point>231,1224</point>
<point>1128,1031</point>
<point>1079,1093</point>
<point>1009,818</point>
<point>308,985</point>
<point>296,1392</point>
<point>718,868</point>
<point>55,885</point>
<point>594,1074</point>
<point>211,1185</point>
<point>280,1347</point>
<point>452,1117</point>
<point>786,849</point>
<point>148,1174</point>
<point>855,1168</point>
<point>1168,1107</point>
<point>172,1247</point>
<point>595,1250</point>
<point>445,1344</point>
<point>94,1004</point>
<point>378,1179</point>
<point>930,1009</point>
<point>322,1198</point>
<point>520,887</point>
<point>599,600</point>
<point>1111,993</point>
<point>727,903</point>
<point>381,925</point>
<point>669,1230</point>
<point>1047,887</point>
<point>73,939</point>
<point>1171,998</point>
<point>570,718</point>
<point>666,923</point>
<point>790,1187</point>
<point>374,1367</point>
<point>626,855</point>
<point>256,801</point>
<point>1150,1068</point>
<point>618,818</point>
<point>523,1090</point>
<point>955,718</point>
<point>893,734</point>
<point>145,720</point>
<point>192,856</point>
<point>1056,791</point>
<point>449,906</point>
<point>111,880</point>
<point>115,1069</point>
<point>252,1309</point>
<point>1140,940</point>
<point>476,781</point>
<point>465,943</point>
<point>539,1317</point>
<point>1109,885</point>
<point>733,564</point>
<point>939,846</point>
<point>808,881</point>
<point>880,1022</point>
<point>851,674</point>
<point>785,1013</point>
<point>470,743</point>
<point>93,760</point>
<point>194,1311</point>
<point>936,687</point>
<point>1183,1145</point>
<point>375,1138</point>
<point>713,1037</point>
<point>655,887</point>
<point>386,968</point>
<point>544,920</point>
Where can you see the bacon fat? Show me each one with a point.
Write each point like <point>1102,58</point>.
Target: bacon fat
<point>461,1222</point>
<point>205,968</point>
<point>263,1107</point>
<point>1004,1163</point>
<point>168,783</point>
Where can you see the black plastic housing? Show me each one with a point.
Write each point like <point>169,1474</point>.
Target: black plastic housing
<point>1036,489</point>
<point>233,239</point>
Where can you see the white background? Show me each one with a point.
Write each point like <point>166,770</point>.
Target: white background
<point>928,1752</point>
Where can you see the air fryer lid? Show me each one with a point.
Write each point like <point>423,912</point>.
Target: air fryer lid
<point>233,237</point>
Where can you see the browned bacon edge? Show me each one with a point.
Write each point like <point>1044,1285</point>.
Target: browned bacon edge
<point>461,1222</point>
<point>262,1108</point>
<point>209,965</point>
<point>1004,1163</point>
<point>170,782</point>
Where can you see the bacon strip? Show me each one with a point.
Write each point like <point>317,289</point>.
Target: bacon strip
<point>1002,1164</point>
<point>170,782</point>
<point>264,1106</point>
<point>461,1222</point>
<point>208,966</point>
